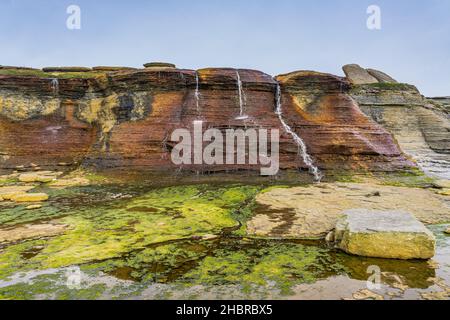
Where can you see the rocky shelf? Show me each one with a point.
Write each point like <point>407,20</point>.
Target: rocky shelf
<point>122,118</point>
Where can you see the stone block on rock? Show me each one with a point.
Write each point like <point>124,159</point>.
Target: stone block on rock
<point>384,234</point>
<point>381,76</point>
<point>159,65</point>
<point>357,75</point>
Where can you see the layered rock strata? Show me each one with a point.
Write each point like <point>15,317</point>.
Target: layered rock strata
<point>123,119</point>
<point>421,128</point>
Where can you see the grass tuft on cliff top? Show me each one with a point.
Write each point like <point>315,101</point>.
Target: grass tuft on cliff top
<point>42,74</point>
<point>389,86</point>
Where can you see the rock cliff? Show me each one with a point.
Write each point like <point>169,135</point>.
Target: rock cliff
<point>421,126</point>
<point>122,118</point>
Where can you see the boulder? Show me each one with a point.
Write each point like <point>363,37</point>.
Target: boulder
<point>381,76</point>
<point>384,234</point>
<point>29,197</point>
<point>357,75</point>
<point>66,69</point>
<point>159,65</point>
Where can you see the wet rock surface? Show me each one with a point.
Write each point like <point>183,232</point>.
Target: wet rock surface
<point>313,211</point>
<point>147,241</point>
<point>384,234</point>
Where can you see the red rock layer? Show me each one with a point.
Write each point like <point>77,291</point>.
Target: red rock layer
<point>141,108</point>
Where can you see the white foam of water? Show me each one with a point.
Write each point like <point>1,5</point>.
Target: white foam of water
<point>301,144</point>
<point>55,85</point>
<point>197,92</point>
<point>242,98</point>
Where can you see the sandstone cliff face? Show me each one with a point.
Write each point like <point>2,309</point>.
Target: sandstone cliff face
<point>320,108</point>
<point>123,119</point>
<point>421,128</point>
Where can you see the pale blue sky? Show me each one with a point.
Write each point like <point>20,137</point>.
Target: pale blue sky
<point>273,36</point>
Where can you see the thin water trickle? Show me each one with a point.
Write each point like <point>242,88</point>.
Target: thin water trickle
<point>242,98</point>
<point>55,85</point>
<point>299,141</point>
<point>197,92</point>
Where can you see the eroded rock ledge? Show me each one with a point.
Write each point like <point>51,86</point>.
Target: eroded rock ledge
<point>122,118</point>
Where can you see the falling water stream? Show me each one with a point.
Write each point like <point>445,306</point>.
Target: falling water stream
<point>55,85</point>
<point>301,144</point>
<point>197,93</point>
<point>242,98</point>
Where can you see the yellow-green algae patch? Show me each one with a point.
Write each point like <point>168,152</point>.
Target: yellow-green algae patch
<point>102,232</point>
<point>262,264</point>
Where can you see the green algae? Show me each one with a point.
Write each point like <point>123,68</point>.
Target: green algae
<point>147,236</point>
<point>264,264</point>
<point>410,179</point>
<point>162,263</point>
<point>228,262</point>
<point>255,268</point>
<point>13,258</point>
<point>119,226</point>
<point>13,214</point>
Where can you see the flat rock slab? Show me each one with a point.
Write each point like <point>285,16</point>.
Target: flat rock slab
<point>8,192</point>
<point>384,234</point>
<point>30,197</point>
<point>31,231</point>
<point>313,211</point>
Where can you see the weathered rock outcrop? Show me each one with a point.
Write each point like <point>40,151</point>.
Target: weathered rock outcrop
<point>441,102</point>
<point>357,75</point>
<point>320,108</point>
<point>124,118</point>
<point>381,76</point>
<point>384,234</point>
<point>421,128</point>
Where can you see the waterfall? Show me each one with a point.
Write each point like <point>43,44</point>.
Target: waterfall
<point>55,85</point>
<point>197,93</point>
<point>242,98</point>
<point>301,144</point>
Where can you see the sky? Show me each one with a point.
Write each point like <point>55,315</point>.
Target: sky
<point>276,37</point>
